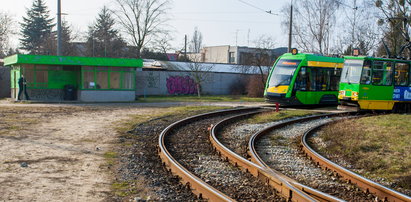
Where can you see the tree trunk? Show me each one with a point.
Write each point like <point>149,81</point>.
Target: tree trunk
<point>198,90</point>
<point>262,75</point>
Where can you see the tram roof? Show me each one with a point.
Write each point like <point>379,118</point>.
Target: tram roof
<point>351,57</point>
<point>72,61</point>
<point>312,57</point>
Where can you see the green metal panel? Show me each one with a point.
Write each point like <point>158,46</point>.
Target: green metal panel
<point>369,92</point>
<point>70,61</point>
<point>349,88</point>
<point>58,79</point>
<point>14,77</point>
<point>313,97</point>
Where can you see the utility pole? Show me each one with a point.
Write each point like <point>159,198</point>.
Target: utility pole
<point>290,34</point>
<point>185,47</point>
<point>59,44</point>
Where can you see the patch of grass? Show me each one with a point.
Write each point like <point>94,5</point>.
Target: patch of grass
<point>121,189</point>
<point>110,155</point>
<point>111,158</point>
<point>275,116</point>
<point>380,145</point>
<point>195,98</point>
<point>131,188</point>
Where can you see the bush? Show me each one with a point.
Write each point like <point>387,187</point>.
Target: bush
<point>238,87</point>
<point>254,87</point>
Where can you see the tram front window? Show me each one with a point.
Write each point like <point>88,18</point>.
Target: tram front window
<point>351,72</point>
<point>283,72</point>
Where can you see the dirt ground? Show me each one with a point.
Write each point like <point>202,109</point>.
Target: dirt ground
<point>56,152</point>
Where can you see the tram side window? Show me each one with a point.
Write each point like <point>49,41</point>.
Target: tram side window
<point>382,73</point>
<point>301,82</point>
<point>366,73</point>
<point>335,78</point>
<point>401,74</point>
<point>321,79</point>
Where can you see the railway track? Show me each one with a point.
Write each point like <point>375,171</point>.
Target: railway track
<point>275,147</point>
<point>286,185</point>
<point>185,150</point>
<point>384,193</point>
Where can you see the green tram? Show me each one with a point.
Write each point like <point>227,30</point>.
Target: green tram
<point>298,79</point>
<point>371,83</point>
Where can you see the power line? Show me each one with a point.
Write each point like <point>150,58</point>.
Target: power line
<point>258,8</point>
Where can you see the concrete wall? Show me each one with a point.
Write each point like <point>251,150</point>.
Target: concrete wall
<point>44,94</point>
<point>106,96</point>
<point>216,54</point>
<point>5,91</point>
<point>181,82</point>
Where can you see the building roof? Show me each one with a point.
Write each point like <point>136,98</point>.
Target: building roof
<point>213,67</point>
<point>72,61</point>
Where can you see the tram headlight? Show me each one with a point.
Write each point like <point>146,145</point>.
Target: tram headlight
<point>354,95</point>
<point>341,94</point>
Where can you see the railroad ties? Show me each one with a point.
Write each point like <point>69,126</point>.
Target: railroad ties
<point>220,158</point>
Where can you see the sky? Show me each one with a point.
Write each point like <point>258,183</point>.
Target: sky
<point>221,22</point>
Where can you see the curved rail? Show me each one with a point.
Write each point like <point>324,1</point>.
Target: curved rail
<point>198,186</point>
<point>367,185</point>
<point>257,159</point>
<point>287,187</point>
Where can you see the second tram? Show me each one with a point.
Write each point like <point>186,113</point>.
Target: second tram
<point>371,83</point>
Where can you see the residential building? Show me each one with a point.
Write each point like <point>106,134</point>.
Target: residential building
<point>240,55</point>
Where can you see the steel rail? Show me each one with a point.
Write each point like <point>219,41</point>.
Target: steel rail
<point>287,187</point>
<point>198,186</point>
<point>367,185</point>
<point>258,160</point>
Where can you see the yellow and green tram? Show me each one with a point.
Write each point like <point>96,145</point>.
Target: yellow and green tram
<point>371,83</point>
<point>298,79</point>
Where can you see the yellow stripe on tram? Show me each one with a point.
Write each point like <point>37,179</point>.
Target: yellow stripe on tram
<point>278,89</point>
<point>377,104</point>
<point>324,64</point>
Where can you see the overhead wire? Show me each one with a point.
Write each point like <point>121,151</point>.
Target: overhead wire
<point>258,8</point>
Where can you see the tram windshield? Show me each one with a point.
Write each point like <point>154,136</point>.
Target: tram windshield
<point>351,72</point>
<point>283,72</point>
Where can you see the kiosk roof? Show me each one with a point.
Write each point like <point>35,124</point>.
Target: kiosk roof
<point>72,61</point>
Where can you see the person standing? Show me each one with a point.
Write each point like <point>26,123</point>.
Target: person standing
<point>22,87</point>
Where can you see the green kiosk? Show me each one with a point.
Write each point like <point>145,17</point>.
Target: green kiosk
<point>87,79</point>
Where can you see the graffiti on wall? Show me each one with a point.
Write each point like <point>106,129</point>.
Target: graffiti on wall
<point>181,85</point>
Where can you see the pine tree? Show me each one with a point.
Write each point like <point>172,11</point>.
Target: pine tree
<point>36,29</point>
<point>103,39</point>
<point>68,48</point>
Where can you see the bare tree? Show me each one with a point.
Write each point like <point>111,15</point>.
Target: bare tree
<point>142,20</point>
<point>357,32</point>
<point>314,20</point>
<point>200,72</point>
<point>6,30</point>
<point>162,43</point>
<point>395,17</point>
<point>261,57</point>
<point>196,42</point>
